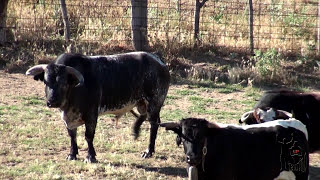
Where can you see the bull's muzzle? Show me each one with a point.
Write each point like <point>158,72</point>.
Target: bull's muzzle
<point>52,104</point>
<point>193,161</point>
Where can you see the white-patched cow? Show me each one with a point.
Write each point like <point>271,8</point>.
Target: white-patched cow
<point>267,151</point>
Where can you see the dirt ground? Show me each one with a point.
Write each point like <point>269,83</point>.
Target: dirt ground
<point>13,85</point>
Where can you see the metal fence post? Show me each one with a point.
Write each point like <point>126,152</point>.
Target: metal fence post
<point>251,27</point>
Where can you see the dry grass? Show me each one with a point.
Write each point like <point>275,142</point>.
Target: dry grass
<point>35,143</point>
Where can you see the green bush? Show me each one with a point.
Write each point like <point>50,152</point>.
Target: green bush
<point>267,63</point>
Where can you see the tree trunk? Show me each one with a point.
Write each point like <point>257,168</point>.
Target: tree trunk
<point>66,24</point>
<point>3,20</point>
<point>139,24</point>
<point>198,7</point>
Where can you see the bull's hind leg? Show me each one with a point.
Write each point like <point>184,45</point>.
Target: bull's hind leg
<point>142,109</point>
<point>137,124</point>
<point>154,121</point>
<point>74,147</point>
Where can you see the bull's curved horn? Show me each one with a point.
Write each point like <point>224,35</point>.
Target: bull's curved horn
<point>169,125</point>
<point>283,114</point>
<point>35,70</point>
<point>213,125</point>
<point>246,116</point>
<point>76,74</point>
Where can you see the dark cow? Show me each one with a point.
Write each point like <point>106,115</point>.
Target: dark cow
<point>83,87</point>
<point>267,151</point>
<point>303,106</point>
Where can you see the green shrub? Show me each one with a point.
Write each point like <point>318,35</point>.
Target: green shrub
<point>268,63</point>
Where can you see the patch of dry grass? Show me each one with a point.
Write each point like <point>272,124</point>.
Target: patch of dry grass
<point>35,143</point>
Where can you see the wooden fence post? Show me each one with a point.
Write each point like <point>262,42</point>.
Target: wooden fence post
<point>3,19</point>
<point>139,24</point>
<point>318,36</point>
<point>66,25</point>
<point>251,27</point>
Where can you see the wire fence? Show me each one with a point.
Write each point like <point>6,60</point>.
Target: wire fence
<point>286,25</point>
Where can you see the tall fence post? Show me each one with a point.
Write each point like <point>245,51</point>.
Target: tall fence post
<point>66,24</point>
<point>3,19</point>
<point>139,24</point>
<point>251,27</point>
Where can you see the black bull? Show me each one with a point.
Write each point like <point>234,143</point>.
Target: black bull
<point>83,87</point>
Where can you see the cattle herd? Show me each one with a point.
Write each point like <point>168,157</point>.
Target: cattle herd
<point>273,141</point>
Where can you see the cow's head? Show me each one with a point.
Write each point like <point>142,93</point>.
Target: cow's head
<point>261,115</point>
<point>58,79</point>
<point>192,133</point>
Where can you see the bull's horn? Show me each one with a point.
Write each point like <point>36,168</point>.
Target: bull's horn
<point>213,125</point>
<point>246,116</point>
<point>76,74</point>
<point>35,70</point>
<point>283,114</point>
<point>169,125</point>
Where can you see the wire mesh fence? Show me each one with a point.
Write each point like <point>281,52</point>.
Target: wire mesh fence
<point>288,26</point>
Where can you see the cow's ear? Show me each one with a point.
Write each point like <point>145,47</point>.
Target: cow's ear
<point>172,126</point>
<point>178,140</point>
<point>283,114</point>
<point>246,117</point>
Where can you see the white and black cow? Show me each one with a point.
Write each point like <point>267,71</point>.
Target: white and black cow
<point>267,151</point>
<point>83,87</point>
<point>303,106</point>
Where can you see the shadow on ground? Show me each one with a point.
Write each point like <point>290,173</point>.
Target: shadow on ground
<point>168,171</point>
<point>314,173</point>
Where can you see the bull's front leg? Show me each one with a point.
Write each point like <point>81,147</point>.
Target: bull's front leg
<point>74,147</point>
<point>89,134</point>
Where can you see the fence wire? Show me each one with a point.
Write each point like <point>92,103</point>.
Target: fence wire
<point>288,26</point>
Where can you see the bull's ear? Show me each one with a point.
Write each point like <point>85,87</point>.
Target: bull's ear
<point>175,127</point>
<point>283,114</point>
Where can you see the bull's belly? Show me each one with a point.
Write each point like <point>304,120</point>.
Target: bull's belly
<point>116,111</point>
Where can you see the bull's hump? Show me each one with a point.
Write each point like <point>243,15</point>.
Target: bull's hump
<point>135,55</point>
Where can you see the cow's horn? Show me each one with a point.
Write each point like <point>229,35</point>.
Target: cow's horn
<point>35,70</point>
<point>246,116</point>
<point>76,74</point>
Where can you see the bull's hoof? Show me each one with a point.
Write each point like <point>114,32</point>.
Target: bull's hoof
<point>71,157</point>
<point>135,135</point>
<point>90,159</point>
<point>147,154</point>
